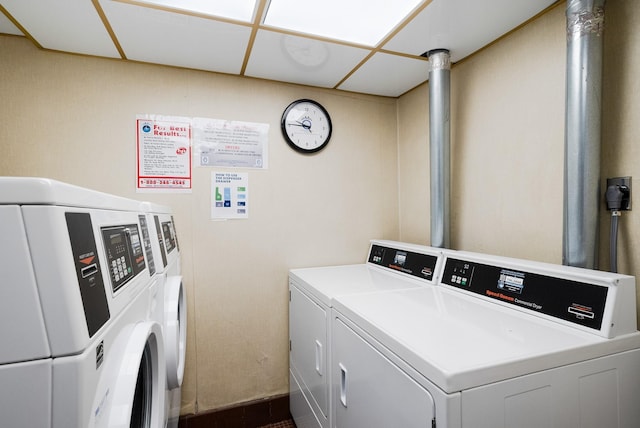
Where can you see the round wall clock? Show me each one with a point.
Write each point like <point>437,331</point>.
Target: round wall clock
<point>306,126</point>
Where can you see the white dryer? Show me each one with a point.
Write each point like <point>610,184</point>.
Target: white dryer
<point>78,347</point>
<point>390,266</point>
<point>498,343</point>
<point>169,300</point>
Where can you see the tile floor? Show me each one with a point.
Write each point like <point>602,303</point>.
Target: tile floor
<point>283,424</point>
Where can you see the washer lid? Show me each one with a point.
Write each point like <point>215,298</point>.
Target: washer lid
<point>458,341</point>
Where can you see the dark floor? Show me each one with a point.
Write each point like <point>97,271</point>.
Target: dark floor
<point>283,424</point>
<point>272,412</point>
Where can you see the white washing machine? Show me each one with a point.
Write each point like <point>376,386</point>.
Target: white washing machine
<point>499,343</point>
<point>78,346</point>
<point>390,266</point>
<point>170,308</point>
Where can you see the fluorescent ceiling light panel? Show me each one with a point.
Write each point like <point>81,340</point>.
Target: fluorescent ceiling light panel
<point>239,10</point>
<point>363,22</point>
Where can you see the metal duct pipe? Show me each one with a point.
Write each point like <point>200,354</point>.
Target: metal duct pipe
<point>440,136</point>
<point>585,19</point>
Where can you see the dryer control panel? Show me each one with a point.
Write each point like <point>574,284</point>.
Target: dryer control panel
<point>125,257</point>
<point>416,264</point>
<point>575,301</point>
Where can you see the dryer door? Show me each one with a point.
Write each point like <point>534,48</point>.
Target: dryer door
<point>138,397</point>
<point>175,330</point>
<point>370,391</point>
<point>308,355</point>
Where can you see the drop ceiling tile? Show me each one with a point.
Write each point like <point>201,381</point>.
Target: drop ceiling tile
<point>63,25</point>
<point>161,37</point>
<point>387,75</point>
<point>179,39</point>
<point>237,10</point>
<point>7,27</point>
<point>463,26</point>
<point>361,22</point>
<point>294,59</point>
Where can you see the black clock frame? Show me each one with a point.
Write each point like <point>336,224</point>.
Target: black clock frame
<point>283,126</point>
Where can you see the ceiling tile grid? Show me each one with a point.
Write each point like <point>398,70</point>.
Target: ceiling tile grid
<point>7,27</point>
<point>166,33</point>
<point>63,25</point>
<point>387,75</point>
<point>463,26</point>
<point>295,59</point>
<point>162,37</point>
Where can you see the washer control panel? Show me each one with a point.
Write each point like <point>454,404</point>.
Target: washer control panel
<point>169,235</point>
<point>146,239</point>
<point>125,257</point>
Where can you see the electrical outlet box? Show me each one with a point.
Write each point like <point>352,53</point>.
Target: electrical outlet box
<point>622,181</point>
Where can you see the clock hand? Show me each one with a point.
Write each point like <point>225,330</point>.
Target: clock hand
<point>304,125</point>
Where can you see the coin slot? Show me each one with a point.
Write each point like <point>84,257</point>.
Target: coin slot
<point>89,270</point>
<point>581,312</point>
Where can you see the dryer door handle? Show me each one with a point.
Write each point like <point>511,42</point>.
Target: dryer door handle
<point>319,358</point>
<point>343,385</point>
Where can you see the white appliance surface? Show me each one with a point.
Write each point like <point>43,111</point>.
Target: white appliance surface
<point>459,342</point>
<point>497,342</point>
<point>390,266</point>
<point>44,191</point>
<point>170,302</point>
<point>328,282</point>
<point>80,347</point>
<point>132,351</point>
<point>325,283</point>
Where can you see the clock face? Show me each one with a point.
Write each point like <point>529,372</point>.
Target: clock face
<point>306,126</point>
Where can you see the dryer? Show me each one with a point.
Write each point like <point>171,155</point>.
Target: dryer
<point>390,266</point>
<point>170,308</point>
<point>79,348</point>
<point>497,343</point>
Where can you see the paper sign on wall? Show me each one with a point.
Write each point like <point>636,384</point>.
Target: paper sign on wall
<point>163,154</point>
<point>226,143</point>
<point>229,195</point>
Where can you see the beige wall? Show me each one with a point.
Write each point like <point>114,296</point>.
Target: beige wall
<point>507,142</point>
<point>72,118</point>
<point>621,126</point>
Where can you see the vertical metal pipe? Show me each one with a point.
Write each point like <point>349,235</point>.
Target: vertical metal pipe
<point>585,19</point>
<point>440,136</point>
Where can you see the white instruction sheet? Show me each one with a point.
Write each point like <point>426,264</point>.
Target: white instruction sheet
<point>229,195</point>
<point>226,143</point>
